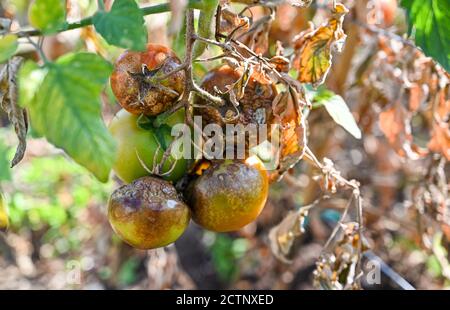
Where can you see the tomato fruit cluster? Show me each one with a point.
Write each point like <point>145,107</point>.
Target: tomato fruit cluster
<point>148,211</point>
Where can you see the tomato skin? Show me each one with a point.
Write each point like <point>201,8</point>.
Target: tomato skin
<point>129,85</point>
<point>229,194</point>
<point>134,143</point>
<point>148,213</point>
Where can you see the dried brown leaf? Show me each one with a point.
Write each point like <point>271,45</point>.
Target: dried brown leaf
<point>337,268</point>
<point>290,133</point>
<point>440,139</point>
<point>283,235</point>
<point>395,124</point>
<point>8,102</point>
<point>231,22</point>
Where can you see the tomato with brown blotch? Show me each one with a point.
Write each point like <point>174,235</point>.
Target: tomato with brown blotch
<point>229,194</point>
<point>135,80</point>
<point>148,213</point>
<point>255,107</point>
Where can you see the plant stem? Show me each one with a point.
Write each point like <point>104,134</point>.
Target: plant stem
<point>149,10</point>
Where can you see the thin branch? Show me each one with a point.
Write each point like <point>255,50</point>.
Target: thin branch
<point>149,10</point>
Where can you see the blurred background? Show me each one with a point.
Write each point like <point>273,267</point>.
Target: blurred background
<point>60,237</point>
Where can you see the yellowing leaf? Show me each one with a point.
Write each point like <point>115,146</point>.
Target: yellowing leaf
<point>313,48</point>
<point>8,46</point>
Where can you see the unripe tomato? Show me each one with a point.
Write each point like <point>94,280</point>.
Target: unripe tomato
<point>148,213</point>
<point>135,144</point>
<point>229,194</point>
<point>255,107</point>
<point>135,87</point>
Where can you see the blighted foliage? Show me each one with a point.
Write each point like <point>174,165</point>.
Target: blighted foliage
<point>8,102</point>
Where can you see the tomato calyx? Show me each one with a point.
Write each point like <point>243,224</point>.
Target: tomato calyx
<point>147,83</point>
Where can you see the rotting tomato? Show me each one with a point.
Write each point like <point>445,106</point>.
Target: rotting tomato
<point>229,194</point>
<point>254,107</point>
<point>140,150</point>
<point>148,213</point>
<point>135,83</point>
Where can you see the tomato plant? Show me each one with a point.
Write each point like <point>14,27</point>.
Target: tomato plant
<point>296,66</point>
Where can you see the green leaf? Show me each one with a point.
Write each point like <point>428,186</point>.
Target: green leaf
<point>49,16</point>
<point>122,26</point>
<point>63,102</point>
<point>5,174</point>
<point>336,107</point>
<point>430,20</point>
<point>340,113</point>
<point>8,46</point>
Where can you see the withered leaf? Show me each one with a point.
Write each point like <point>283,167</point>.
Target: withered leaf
<point>283,235</point>
<point>440,139</point>
<point>258,40</point>
<point>313,48</point>
<point>289,133</point>
<point>416,96</point>
<point>336,269</point>
<point>231,22</point>
<point>395,124</point>
<point>8,102</point>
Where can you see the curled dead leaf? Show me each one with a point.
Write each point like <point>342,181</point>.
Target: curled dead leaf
<point>231,23</point>
<point>395,124</point>
<point>440,139</point>
<point>283,236</point>
<point>337,268</point>
<point>8,102</point>
<point>289,132</point>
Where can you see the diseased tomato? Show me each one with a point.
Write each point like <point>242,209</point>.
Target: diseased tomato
<point>255,107</point>
<point>148,213</point>
<point>135,85</point>
<point>229,194</point>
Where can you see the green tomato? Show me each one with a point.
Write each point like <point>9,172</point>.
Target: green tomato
<point>140,150</point>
